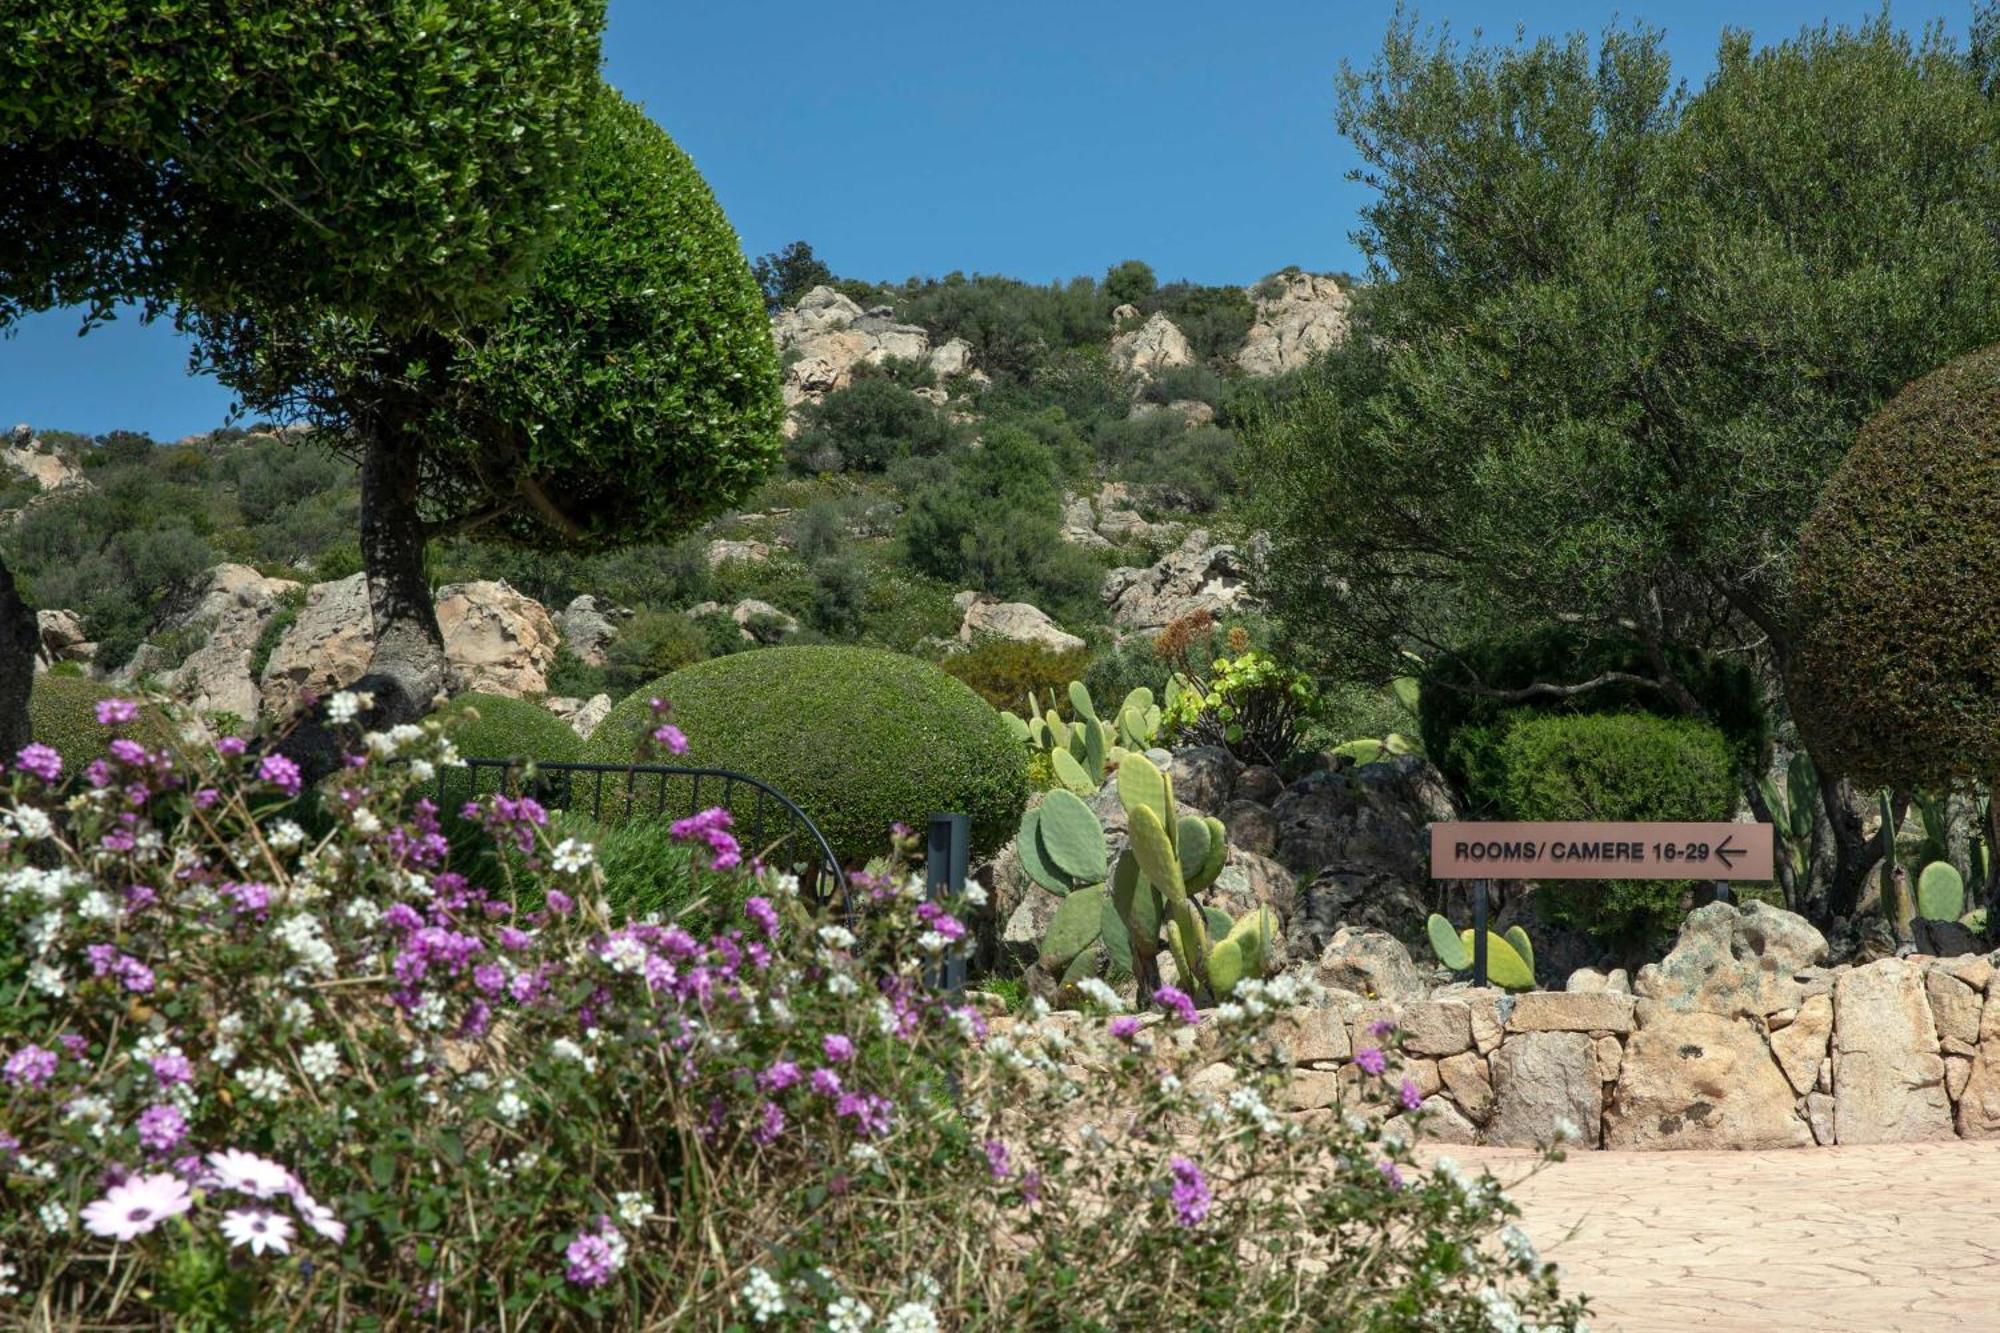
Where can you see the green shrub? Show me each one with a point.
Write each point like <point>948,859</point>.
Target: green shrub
<point>1002,671</point>
<point>646,871</point>
<point>857,737</point>
<point>62,712</point>
<point>492,726</point>
<point>1725,687</point>
<point>866,426</point>
<point>652,643</point>
<point>1897,678</point>
<point>1620,766</point>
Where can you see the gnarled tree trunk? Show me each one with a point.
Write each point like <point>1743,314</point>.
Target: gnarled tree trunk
<point>1854,853</point>
<point>20,636</point>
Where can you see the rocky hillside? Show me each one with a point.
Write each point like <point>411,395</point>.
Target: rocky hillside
<point>970,461</point>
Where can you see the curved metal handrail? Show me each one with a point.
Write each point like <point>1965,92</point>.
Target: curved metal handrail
<point>555,787</point>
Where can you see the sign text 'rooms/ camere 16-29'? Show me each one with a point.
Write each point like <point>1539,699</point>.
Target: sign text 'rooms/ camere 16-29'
<point>1601,851</point>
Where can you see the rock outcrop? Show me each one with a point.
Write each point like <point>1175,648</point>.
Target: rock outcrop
<point>1111,518</point>
<point>1154,346</point>
<point>325,647</point>
<point>63,639</point>
<point>826,335</point>
<point>1017,622</point>
<point>1304,316</point>
<point>228,617</point>
<point>588,626</point>
<point>1199,575</point>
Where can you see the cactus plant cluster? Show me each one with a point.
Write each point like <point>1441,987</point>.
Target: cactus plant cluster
<point>1083,751</point>
<point>1793,813</point>
<point>1127,905</point>
<point>1939,893</point>
<point>1510,958</point>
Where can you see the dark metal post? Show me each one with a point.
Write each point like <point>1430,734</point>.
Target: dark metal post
<point>1722,894</point>
<point>1479,932</point>
<point>946,860</point>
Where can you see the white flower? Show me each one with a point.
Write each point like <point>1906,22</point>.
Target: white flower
<point>33,823</point>
<point>1566,1130</point>
<point>264,1084</point>
<point>1519,1247</point>
<point>1228,1012</point>
<point>509,1107</point>
<point>1038,1009</point>
<point>885,1017</point>
<point>763,1295</point>
<point>96,906</point>
<point>1501,1315</point>
<point>633,1208</point>
<point>975,893</point>
<point>1448,1168</point>
<point>347,705</point>
<point>285,836</point>
<point>624,953</point>
<point>836,937</point>
<point>365,821</point>
<point>306,938</point>
<point>572,857</point>
<point>423,770</point>
<point>840,985</point>
<point>54,1216</point>
<point>911,1317</point>
<point>364,913</point>
<point>849,1315</point>
<point>258,1229</point>
<point>1098,990</point>
<point>864,1156</point>
<point>8,1286</point>
<point>320,1060</point>
<point>47,978</point>
<point>786,884</point>
<point>430,1013</point>
<point>932,942</point>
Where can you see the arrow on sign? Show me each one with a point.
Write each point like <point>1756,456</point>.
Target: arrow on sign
<point>1727,850</point>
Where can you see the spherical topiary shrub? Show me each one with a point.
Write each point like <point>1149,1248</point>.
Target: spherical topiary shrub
<point>62,713</point>
<point>858,738</point>
<point>1896,678</point>
<point>1615,766</point>
<point>493,726</point>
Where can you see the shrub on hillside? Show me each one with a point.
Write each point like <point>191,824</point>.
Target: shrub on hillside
<point>1897,677</point>
<point>867,426</point>
<point>652,643</point>
<point>493,726</point>
<point>1619,766</point>
<point>364,1090</point>
<point>859,739</point>
<point>1003,671</point>
<point>62,714</point>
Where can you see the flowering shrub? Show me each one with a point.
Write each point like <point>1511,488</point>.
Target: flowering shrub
<point>1246,701</point>
<point>252,1078</point>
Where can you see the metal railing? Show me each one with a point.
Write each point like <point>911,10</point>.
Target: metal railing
<point>769,824</point>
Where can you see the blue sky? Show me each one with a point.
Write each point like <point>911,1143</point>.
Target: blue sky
<point>1035,139</point>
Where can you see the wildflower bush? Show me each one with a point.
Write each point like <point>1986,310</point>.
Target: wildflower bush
<point>1244,700</point>
<point>252,1078</point>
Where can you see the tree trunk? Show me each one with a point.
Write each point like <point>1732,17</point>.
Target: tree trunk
<point>20,637</point>
<point>1854,854</point>
<point>1993,857</point>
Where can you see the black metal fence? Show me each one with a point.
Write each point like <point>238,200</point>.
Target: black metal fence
<point>767,822</point>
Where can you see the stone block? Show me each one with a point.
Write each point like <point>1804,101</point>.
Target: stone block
<point>1702,1080</point>
<point>1801,1045</point>
<point>1545,1087</point>
<point>1571,1011</point>
<point>1437,1027</point>
<point>1888,1074</point>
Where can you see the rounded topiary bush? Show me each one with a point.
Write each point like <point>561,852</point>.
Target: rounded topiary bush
<point>1896,679</point>
<point>493,726</point>
<point>1615,766</point>
<point>62,713</point>
<point>858,738</point>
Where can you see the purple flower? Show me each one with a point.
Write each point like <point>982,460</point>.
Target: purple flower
<point>231,746</point>
<point>825,1082</point>
<point>1177,1002</point>
<point>760,911</point>
<point>998,1161</point>
<point>770,1124</point>
<point>781,1075</point>
<point>870,1113</point>
<point>1191,1197</point>
<point>112,712</point>
<point>161,1127</point>
<point>31,1065</point>
<point>560,903</point>
<point>593,1257</point>
<point>1124,1027</point>
<point>172,1068</point>
<point>41,761</point>
<point>838,1047</point>
<point>1390,1173</point>
<point>712,827</point>
<point>1409,1096</point>
<point>1381,1028</point>
<point>670,736</point>
<point>1371,1059</point>
<point>281,773</point>
<point>129,752</point>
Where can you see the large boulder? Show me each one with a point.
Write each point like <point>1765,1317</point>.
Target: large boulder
<point>1204,777</point>
<point>1199,575</point>
<point>1545,1088</point>
<point>1979,1103</point>
<point>327,646</point>
<point>588,626</point>
<point>1299,315</point>
<point>1888,1071</point>
<point>1369,963</point>
<point>1017,622</point>
<point>826,335</point>
<point>228,616</point>
<point>496,640</point>
<point>25,457</point>
<point>1753,961</point>
<point>1701,1080</point>
<point>63,639</point>
<point>1154,346</point>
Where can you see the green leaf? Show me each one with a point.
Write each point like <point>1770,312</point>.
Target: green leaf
<point>1074,927</point>
<point>1070,838</point>
<point>1446,944</point>
<point>1028,846</point>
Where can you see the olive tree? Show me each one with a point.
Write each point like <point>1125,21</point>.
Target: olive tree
<point>1619,336</point>
<point>398,157</point>
<point>629,392</point>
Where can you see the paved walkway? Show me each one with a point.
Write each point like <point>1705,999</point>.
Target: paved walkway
<point>1868,1239</point>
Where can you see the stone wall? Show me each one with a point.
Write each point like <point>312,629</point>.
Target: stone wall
<point>1741,1037</point>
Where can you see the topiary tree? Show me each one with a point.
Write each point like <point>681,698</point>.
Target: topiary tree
<point>494,726</point>
<point>629,393</point>
<point>1897,677</point>
<point>859,738</point>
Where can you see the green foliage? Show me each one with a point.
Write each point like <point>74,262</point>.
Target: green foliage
<point>866,426</point>
<point>646,872</point>
<point>1457,722</point>
<point>1249,703</point>
<point>652,644</point>
<point>859,738</point>
<point>1083,749</point>
<point>1214,320</point>
<point>1625,766</point>
<point>62,714</point>
<point>493,726</point>
<point>1898,610</point>
<point>786,275</point>
<point>402,158</point>
<point>1510,959</point>
<point>1794,816</point>
<point>1011,325</point>
<point>632,388</point>
<point>1940,892</point>
<point>1004,671</point>
<point>1130,282</point>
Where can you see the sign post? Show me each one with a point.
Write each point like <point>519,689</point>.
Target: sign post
<point>1484,852</point>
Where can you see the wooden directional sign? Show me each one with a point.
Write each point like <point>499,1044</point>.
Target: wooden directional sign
<point>1601,851</point>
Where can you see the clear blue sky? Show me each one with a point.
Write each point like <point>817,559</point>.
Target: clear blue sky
<point>1035,139</point>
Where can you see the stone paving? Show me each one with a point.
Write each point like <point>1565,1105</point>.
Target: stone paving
<point>1869,1238</point>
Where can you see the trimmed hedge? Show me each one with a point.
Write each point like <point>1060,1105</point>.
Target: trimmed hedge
<point>1896,680</point>
<point>62,712</point>
<point>1620,766</point>
<point>1003,671</point>
<point>493,726</point>
<point>1459,729</point>
<point>858,738</point>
